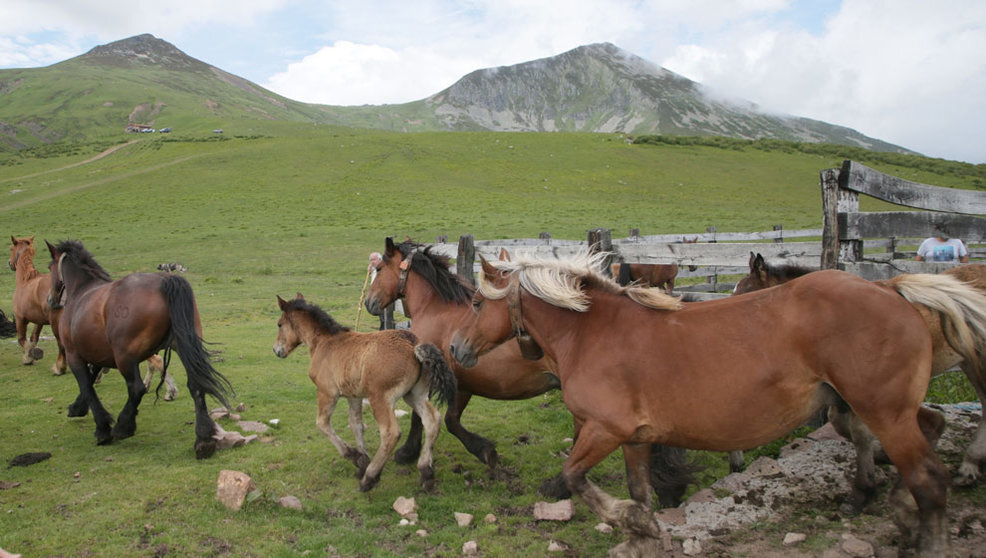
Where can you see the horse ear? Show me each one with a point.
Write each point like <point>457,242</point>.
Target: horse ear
<point>759,266</point>
<point>281,303</point>
<point>390,248</point>
<point>51,249</point>
<point>13,240</point>
<point>487,267</point>
<point>299,296</point>
<point>504,255</point>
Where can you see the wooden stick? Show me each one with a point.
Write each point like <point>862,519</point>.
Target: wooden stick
<point>362,296</point>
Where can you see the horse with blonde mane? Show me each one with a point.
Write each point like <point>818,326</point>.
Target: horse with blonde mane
<point>637,367</point>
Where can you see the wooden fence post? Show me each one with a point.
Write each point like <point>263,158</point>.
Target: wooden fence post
<point>829,181</point>
<point>466,259</point>
<point>601,240</point>
<point>780,237</point>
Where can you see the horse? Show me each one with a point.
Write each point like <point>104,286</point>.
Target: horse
<point>439,301</point>
<point>117,324</point>
<point>30,307</point>
<point>636,365</point>
<point>30,301</point>
<point>382,366</point>
<point>946,356</point>
<point>651,275</point>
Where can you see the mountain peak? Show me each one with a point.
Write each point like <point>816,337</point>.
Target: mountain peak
<point>142,50</point>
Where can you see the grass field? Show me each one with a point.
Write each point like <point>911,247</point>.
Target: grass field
<point>277,208</point>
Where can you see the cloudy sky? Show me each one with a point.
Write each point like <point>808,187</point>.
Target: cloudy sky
<point>911,72</point>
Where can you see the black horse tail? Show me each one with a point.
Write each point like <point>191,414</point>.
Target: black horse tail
<point>7,327</point>
<point>623,277</point>
<point>441,380</point>
<point>670,474</point>
<point>183,338</point>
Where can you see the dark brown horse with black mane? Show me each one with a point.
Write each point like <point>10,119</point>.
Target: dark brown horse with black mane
<point>946,356</point>
<point>439,303</point>
<point>638,367</point>
<point>117,324</point>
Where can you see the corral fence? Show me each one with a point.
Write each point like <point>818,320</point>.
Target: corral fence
<point>874,245</point>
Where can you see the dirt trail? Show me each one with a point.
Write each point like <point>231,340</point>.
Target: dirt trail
<point>73,165</point>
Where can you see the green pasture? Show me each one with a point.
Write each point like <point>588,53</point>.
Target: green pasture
<point>278,208</point>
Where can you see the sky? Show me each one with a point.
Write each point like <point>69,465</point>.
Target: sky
<point>910,72</point>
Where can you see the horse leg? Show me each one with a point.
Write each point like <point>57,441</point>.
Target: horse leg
<point>87,396</point>
<point>35,351</point>
<point>736,461</point>
<point>21,324</point>
<point>326,406</point>
<point>126,422</point>
<point>670,474</point>
<point>390,432</point>
<point>975,454</point>
<point>59,367</point>
<point>409,452</point>
<point>357,427</point>
<point>483,449</point>
<point>556,487</point>
<point>205,427</point>
<point>431,421</point>
<point>592,446</point>
<point>864,486</point>
<point>636,457</point>
<point>923,475</point>
<point>156,364</point>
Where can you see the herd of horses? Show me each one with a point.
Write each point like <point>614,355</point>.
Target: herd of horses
<point>632,361</point>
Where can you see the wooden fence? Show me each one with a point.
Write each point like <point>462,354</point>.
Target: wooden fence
<point>874,245</point>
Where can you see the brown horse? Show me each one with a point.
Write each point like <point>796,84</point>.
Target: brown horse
<point>649,275</point>
<point>636,364</point>
<point>117,324</point>
<point>946,355</point>
<point>382,366</point>
<point>30,301</point>
<point>30,306</point>
<point>440,303</point>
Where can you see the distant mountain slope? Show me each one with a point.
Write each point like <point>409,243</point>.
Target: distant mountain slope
<point>142,80</point>
<point>594,88</point>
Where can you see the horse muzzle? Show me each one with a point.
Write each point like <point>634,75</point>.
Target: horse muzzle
<point>280,352</point>
<point>373,306</point>
<point>57,303</point>
<point>462,353</point>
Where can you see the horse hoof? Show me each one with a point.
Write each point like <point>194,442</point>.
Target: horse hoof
<point>37,353</point>
<point>78,411</point>
<point>123,433</point>
<point>104,439</point>
<point>490,457</point>
<point>367,483</point>
<point>555,488</point>
<point>204,449</point>
<point>406,455</point>
<point>428,479</point>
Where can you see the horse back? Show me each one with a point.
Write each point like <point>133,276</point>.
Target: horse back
<point>355,364</point>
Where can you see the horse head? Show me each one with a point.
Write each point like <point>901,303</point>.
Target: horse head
<point>56,295</point>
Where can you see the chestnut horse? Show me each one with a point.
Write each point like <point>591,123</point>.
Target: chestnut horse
<point>382,366</point>
<point>946,356</point>
<point>440,303</point>
<point>636,367</point>
<point>117,324</point>
<point>30,307</point>
<point>650,275</point>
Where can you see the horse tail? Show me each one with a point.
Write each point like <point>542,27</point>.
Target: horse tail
<point>441,380</point>
<point>960,307</point>
<point>623,277</point>
<point>671,473</point>
<point>185,340</point>
<point>7,327</point>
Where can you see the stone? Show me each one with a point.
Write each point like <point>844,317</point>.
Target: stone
<point>794,538</point>
<point>233,487</point>
<point>227,439</point>
<point>490,518</point>
<point>421,533</point>
<point>290,502</point>
<point>555,546</point>
<point>404,506</point>
<point>470,548</point>
<point>825,432</point>
<point>691,547</point>
<point>764,467</point>
<point>604,528</point>
<point>253,426</point>
<point>463,519</point>
<point>856,547</point>
<point>562,510</point>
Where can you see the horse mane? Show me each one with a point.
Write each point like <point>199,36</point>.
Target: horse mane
<point>562,283</point>
<point>434,268</point>
<point>75,251</point>
<point>322,318</point>
<point>786,272</point>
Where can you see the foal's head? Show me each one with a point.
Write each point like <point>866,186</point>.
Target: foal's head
<point>763,276</point>
<point>20,248</point>
<point>299,322</point>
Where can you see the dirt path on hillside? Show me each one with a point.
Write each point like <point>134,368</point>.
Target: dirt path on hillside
<point>99,156</point>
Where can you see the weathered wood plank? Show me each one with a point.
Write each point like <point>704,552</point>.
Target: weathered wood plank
<point>969,228</point>
<point>874,271</point>
<point>865,180</point>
